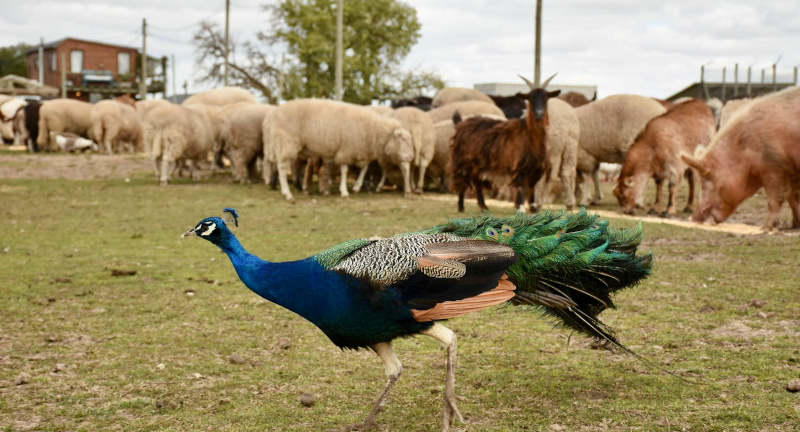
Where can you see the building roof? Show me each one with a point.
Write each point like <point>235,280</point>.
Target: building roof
<point>56,43</point>
<point>732,90</point>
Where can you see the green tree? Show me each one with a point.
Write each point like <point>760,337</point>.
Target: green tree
<point>378,35</point>
<point>13,60</point>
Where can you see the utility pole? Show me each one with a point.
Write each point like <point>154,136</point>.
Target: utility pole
<point>339,49</point>
<point>41,61</point>
<point>63,75</point>
<point>143,82</point>
<point>227,40</point>
<point>174,82</point>
<point>537,62</point>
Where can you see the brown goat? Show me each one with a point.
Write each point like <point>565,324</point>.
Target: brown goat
<point>656,153</point>
<point>512,152</point>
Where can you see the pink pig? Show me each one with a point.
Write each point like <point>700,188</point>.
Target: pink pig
<point>759,147</point>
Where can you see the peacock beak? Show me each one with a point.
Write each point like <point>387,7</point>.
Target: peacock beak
<point>191,232</point>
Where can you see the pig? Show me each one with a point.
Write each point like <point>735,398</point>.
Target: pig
<point>759,147</point>
<point>656,153</point>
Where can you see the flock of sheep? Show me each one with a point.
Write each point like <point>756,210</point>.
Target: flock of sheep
<point>415,146</point>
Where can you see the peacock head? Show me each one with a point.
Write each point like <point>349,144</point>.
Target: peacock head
<point>215,229</point>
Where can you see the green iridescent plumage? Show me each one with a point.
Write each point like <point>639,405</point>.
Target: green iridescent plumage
<point>570,264</point>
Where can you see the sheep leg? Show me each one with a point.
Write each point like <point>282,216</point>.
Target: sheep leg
<point>674,184</point>
<point>362,174</point>
<point>343,181</point>
<point>794,203</point>
<point>283,168</point>
<point>382,181</point>
<point>422,167</point>
<point>479,196</point>
<point>167,167</point>
<point>461,201</point>
<point>598,193</point>
<point>405,167</point>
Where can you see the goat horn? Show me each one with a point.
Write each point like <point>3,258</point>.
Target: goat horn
<point>530,84</point>
<point>547,81</point>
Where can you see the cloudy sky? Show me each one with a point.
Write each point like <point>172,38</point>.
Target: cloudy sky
<point>621,46</point>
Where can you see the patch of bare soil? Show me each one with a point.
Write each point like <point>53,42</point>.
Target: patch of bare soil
<point>72,166</point>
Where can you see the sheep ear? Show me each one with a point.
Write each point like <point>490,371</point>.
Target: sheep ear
<point>696,164</point>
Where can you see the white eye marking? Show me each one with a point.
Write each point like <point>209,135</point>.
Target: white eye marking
<point>210,229</point>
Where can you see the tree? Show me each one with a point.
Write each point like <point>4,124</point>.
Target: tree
<point>378,34</point>
<point>13,60</point>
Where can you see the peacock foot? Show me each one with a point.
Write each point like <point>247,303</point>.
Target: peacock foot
<point>451,412</point>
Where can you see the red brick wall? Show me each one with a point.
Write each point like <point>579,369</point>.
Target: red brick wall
<point>95,57</point>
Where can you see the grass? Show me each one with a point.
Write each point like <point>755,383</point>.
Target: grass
<point>83,350</point>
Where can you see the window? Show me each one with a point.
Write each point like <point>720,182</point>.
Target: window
<point>76,61</point>
<point>123,63</point>
<point>54,61</point>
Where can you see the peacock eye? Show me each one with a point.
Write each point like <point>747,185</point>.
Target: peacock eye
<point>491,232</point>
<point>508,231</point>
<point>560,234</point>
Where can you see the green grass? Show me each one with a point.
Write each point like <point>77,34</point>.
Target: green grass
<point>151,352</point>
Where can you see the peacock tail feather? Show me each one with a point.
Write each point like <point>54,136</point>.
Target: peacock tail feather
<point>569,264</point>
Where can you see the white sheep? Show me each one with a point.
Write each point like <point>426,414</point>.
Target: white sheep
<point>337,132</point>
<point>8,111</point>
<point>64,115</point>
<point>422,135</point>
<point>449,95</point>
<point>729,110</point>
<point>563,134</point>
<point>244,139</point>
<point>465,109</point>
<point>114,123</point>
<point>380,109</point>
<point>220,96</point>
<point>608,127</point>
<point>178,134</point>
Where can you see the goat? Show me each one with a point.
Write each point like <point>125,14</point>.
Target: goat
<point>512,152</point>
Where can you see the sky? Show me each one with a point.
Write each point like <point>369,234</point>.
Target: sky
<point>621,46</point>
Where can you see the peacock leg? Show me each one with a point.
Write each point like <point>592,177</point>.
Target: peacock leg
<point>393,371</point>
<point>447,337</point>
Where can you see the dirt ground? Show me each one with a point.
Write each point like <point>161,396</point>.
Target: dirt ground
<point>746,220</point>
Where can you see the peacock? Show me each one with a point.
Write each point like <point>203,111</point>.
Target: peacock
<point>364,293</point>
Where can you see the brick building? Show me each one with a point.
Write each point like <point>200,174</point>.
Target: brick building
<point>93,70</point>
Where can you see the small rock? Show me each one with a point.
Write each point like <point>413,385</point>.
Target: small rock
<point>284,343</point>
<point>160,366</point>
<point>53,338</point>
<point>793,386</point>
<point>307,399</point>
<point>63,280</point>
<point>236,359</point>
<point>119,272</point>
<point>23,378</point>
<point>757,303</point>
<point>59,367</point>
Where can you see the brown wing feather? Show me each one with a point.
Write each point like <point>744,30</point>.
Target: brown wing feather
<point>503,292</point>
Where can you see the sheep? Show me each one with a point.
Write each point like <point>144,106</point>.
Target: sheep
<point>380,109</point>
<point>576,99</point>
<point>422,136</point>
<point>449,95</point>
<point>220,96</point>
<point>730,108</point>
<point>115,122</point>
<point>510,152</point>
<point>610,171</point>
<point>608,128</point>
<point>64,115</point>
<point>8,110</point>
<point>563,136</point>
<point>465,109</point>
<point>244,139</point>
<point>656,153</point>
<point>512,106</point>
<point>178,134</point>
<point>337,131</point>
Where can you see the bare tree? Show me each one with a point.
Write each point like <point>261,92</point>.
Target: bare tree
<point>256,71</point>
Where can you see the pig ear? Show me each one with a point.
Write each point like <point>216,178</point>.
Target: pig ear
<point>696,164</point>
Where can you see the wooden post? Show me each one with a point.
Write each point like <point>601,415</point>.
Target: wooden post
<point>174,82</point>
<point>339,50</point>
<point>736,80</point>
<point>227,43</point>
<point>724,70</point>
<point>41,61</point>
<point>763,75</point>
<point>164,76</point>
<point>774,77</point>
<point>703,87</point>
<point>537,55</point>
<point>795,75</point>
<point>749,84</point>
<point>63,75</point>
<point>143,82</point>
